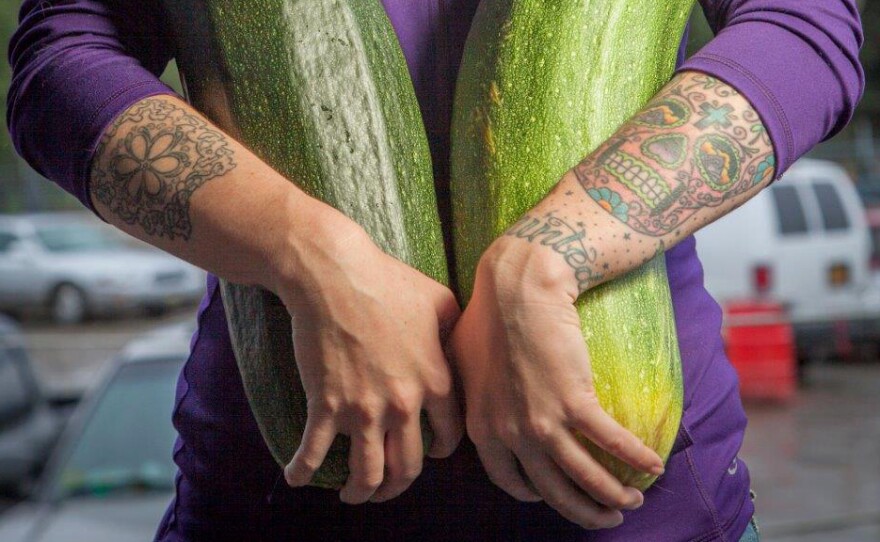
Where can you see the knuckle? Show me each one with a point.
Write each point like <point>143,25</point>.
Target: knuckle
<point>407,476</point>
<point>369,483</point>
<point>504,482</point>
<point>326,405</point>
<point>588,481</point>
<point>588,401</point>
<point>365,413</point>
<point>309,464</point>
<point>540,429</point>
<point>477,432</point>
<point>439,382</point>
<point>404,403</point>
<point>555,501</point>
<point>619,500</point>
<point>616,445</point>
<point>584,408</point>
<point>508,433</point>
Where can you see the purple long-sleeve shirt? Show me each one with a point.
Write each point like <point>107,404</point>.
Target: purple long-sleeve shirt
<point>79,63</point>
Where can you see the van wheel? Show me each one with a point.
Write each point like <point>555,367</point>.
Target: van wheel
<point>68,305</point>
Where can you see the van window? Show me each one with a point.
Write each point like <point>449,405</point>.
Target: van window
<point>789,210</point>
<point>833,213</point>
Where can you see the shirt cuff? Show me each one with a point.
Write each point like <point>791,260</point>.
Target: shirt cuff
<point>794,91</point>
<point>102,118</point>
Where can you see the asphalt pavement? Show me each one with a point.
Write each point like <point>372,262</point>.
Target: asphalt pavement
<point>815,463</point>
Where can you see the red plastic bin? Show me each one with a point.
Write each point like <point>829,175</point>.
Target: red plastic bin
<point>760,344</point>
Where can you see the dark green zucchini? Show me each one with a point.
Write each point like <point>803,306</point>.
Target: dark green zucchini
<point>319,89</point>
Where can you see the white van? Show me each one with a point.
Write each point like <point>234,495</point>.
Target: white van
<point>803,242</point>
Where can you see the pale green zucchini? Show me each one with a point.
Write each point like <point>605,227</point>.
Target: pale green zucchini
<point>542,84</point>
<point>319,89</point>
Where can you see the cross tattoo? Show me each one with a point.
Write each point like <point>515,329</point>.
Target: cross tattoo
<point>715,116</point>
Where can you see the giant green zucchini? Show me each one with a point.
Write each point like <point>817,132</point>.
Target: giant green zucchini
<point>543,83</point>
<point>319,89</point>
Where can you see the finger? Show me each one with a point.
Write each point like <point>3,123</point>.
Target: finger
<point>366,462</point>
<point>317,438</point>
<point>403,460</point>
<point>446,422</point>
<point>447,309</point>
<point>560,494</point>
<point>444,413</point>
<point>577,463</point>
<point>501,466</point>
<point>600,428</point>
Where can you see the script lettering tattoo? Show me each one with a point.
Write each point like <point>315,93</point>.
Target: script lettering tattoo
<point>692,147</point>
<point>151,161</point>
<point>565,240</point>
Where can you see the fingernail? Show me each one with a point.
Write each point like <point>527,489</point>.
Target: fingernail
<point>637,502</point>
<point>658,470</point>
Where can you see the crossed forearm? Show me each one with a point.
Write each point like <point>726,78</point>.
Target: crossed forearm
<point>697,151</point>
<point>164,174</point>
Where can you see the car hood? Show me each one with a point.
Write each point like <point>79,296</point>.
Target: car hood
<point>116,518</point>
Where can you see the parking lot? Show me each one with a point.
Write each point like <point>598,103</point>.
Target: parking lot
<point>69,358</point>
<point>815,462</point>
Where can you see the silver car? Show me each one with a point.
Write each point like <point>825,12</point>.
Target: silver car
<point>111,475</point>
<point>75,266</point>
<point>28,427</point>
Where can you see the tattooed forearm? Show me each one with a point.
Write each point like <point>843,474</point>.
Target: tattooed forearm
<point>697,151</point>
<point>565,239</point>
<point>151,161</point>
<point>694,146</point>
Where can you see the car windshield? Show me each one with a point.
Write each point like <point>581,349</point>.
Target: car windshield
<point>126,443</point>
<point>78,238</point>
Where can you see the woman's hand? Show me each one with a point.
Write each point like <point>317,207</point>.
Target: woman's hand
<point>528,386</point>
<point>367,335</point>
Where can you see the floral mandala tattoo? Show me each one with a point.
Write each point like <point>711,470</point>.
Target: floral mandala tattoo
<point>151,161</point>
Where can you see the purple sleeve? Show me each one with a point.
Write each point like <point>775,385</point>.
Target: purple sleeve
<point>76,64</point>
<point>796,61</point>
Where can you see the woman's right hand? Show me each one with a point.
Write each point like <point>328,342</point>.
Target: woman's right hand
<point>367,335</point>
<point>366,327</point>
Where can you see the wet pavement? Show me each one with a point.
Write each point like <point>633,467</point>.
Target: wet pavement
<point>815,463</point>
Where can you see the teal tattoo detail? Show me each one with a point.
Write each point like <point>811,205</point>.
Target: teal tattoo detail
<point>611,202</point>
<point>715,116</point>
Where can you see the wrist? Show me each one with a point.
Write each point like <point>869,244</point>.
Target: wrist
<point>312,237</point>
<point>529,269</point>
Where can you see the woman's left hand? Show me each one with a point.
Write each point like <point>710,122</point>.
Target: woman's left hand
<point>526,375</point>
